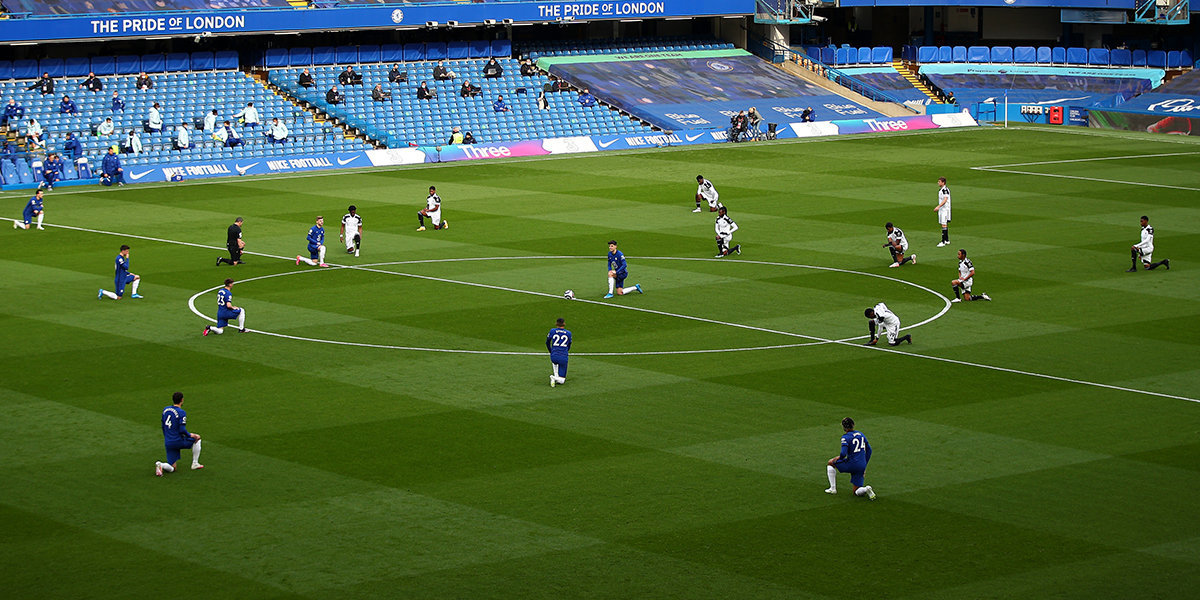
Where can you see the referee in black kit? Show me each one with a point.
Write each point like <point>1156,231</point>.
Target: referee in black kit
<point>235,244</point>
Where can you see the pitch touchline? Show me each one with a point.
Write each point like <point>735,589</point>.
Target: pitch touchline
<point>1005,169</point>
<point>840,342</point>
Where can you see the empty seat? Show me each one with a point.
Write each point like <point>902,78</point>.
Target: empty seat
<point>924,54</point>
<point>1026,54</point>
<point>1043,55</point>
<point>1002,54</point>
<point>1077,56</point>
<point>978,54</point>
<point>1058,55</point>
<point>1137,58</point>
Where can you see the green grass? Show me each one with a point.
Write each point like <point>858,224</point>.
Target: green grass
<point>341,471</point>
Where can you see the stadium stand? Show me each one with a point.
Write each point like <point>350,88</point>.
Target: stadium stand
<point>887,80</point>
<point>1055,86</point>
<point>87,7</point>
<point>636,45</point>
<point>405,120</point>
<point>1046,55</point>
<point>1180,96</point>
<point>183,95</point>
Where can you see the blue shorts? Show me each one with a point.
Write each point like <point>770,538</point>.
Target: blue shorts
<point>620,278</point>
<point>559,366</point>
<point>120,283</point>
<point>28,217</point>
<point>224,315</point>
<point>173,449</point>
<point>855,470</point>
<point>314,252</point>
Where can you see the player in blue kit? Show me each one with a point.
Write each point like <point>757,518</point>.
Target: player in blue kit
<point>316,246</point>
<point>226,311</point>
<point>558,342</point>
<point>618,270</point>
<point>856,453</point>
<point>122,278</point>
<point>176,437</point>
<point>33,208</point>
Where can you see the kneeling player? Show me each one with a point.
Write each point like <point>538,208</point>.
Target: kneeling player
<point>880,315</point>
<point>176,437</point>
<point>433,210</point>
<point>1145,250</point>
<point>316,245</point>
<point>897,244</point>
<point>618,270</point>
<point>226,311</point>
<point>705,192</point>
<point>725,228</point>
<point>351,232</point>
<point>558,342</point>
<point>121,278</point>
<point>33,209</point>
<point>856,453</point>
<point>966,277</point>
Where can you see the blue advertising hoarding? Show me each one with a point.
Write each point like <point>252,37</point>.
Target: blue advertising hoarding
<point>217,22</point>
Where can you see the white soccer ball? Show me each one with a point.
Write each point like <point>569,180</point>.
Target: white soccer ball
<point>569,295</point>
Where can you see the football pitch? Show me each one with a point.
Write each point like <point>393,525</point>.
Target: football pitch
<point>387,428</point>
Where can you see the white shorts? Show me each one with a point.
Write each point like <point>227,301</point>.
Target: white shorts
<point>725,239</point>
<point>713,203</point>
<point>435,216</point>
<point>1147,256</point>
<point>892,331</point>
<point>349,240</point>
<point>966,284</point>
<point>943,215</point>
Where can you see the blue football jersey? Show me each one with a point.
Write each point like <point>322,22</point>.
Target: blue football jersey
<point>316,235</point>
<point>855,448</point>
<point>616,262</point>
<point>174,424</point>
<point>122,266</point>
<point>558,342</point>
<point>224,296</point>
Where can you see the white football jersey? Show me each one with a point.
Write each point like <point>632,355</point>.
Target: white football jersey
<point>708,192</point>
<point>944,195</point>
<point>964,268</point>
<point>352,222</point>
<point>433,202</point>
<point>897,236</point>
<point>886,317</point>
<point>1147,243</point>
<point>725,226</point>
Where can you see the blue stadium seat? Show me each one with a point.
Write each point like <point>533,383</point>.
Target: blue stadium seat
<point>201,61</point>
<point>502,48</point>
<point>435,50</point>
<point>347,55</point>
<point>1077,56</point>
<point>128,64</point>
<point>275,58</point>
<point>842,56</point>
<point>1043,55</point>
<point>225,60</point>
<point>1002,54</point>
<point>28,69</point>
<point>1185,58</point>
<point>154,63</point>
<point>1120,57</point>
<point>414,51</point>
<point>1026,54</point>
<point>368,53</point>
<point>458,50</point>
<point>925,54</point>
<point>1098,57</point>
<point>862,55</point>
<point>881,55</point>
<point>53,66</point>
<point>1156,58</point>
<point>978,54</point>
<point>828,55</point>
<point>1138,58</point>
<point>177,61</point>
<point>952,54</point>
<point>6,69</point>
<point>77,66</point>
<point>391,53</point>
<point>104,65</point>
<point>324,55</point>
<point>1174,59</point>
<point>1058,55</point>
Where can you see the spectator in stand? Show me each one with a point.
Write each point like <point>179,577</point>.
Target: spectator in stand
<point>468,138</point>
<point>44,85</point>
<point>228,136</point>
<point>249,115</point>
<point>469,91</point>
<point>807,115</point>
<point>92,83</point>
<point>144,82</point>
<point>441,73</point>
<point>349,77</point>
<point>118,105</point>
<point>499,105</point>
<point>183,140</point>
<point>72,148</point>
<point>424,93</point>
<point>8,151</point>
<point>278,133</point>
<point>950,98</point>
<point>493,70</point>
<point>110,168</point>
<point>106,127</point>
<point>133,143</point>
<point>456,136</point>
<point>542,102</point>
<point>12,111</point>
<point>154,120</point>
<point>528,69</point>
<point>67,106</point>
<point>378,95</point>
<point>586,99</point>
<point>210,121</point>
<point>305,79</point>
<point>333,96</point>
<point>51,171</point>
<point>397,76</point>
<point>34,136</point>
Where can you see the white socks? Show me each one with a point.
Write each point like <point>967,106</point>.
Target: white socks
<point>40,215</point>
<point>832,477</point>
<point>108,294</point>
<point>165,467</point>
<point>321,254</point>
<point>196,453</point>
<point>135,284</point>
<point>242,319</point>
<point>611,283</point>
<point>862,491</point>
<point>216,330</point>
<point>307,261</point>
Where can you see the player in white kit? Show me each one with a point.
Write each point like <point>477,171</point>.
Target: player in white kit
<point>897,244</point>
<point>1145,250</point>
<point>352,229</point>
<point>880,315</point>
<point>725,228</point>
<point>966,278</point>
<point>943,211</point>
<point>433,210</point>
<point>707,193</point>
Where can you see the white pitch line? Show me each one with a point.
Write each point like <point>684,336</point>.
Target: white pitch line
<point>839,342</point>
<point>1094,159</point>
<point>1096,179</point>
<point>1006,169</point>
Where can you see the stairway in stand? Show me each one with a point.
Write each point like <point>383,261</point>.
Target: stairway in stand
<point>909,74</point>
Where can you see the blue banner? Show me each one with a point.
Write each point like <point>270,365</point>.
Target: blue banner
<point>1113,4</point>
<point>104,26</point>
<point>237,168</point>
